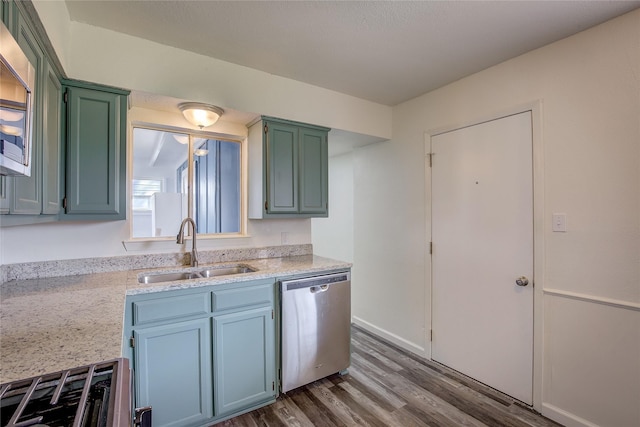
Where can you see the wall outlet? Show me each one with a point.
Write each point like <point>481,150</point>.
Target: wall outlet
<point>559,222</point>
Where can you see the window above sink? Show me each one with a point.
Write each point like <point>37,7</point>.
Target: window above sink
<point>179,173</point>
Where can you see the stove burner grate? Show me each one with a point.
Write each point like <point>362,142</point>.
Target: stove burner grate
<point>76,397</point>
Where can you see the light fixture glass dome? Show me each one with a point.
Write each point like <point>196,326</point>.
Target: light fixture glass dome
<point>199,114</point>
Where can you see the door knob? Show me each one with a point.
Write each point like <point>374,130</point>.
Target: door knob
<point>522,281</point>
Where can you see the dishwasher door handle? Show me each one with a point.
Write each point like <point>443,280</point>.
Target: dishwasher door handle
<point>321,288</point>
<point>319,283</point>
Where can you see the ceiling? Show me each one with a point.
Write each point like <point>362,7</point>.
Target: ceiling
<point>383,51</point>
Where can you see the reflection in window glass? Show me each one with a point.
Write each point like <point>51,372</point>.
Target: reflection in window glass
<point>160,183</point>
<point>217,185</point>
<point>156,157</point>
<point>142,190</point>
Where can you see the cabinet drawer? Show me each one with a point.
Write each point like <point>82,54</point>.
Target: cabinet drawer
<point>242,297</point>
<point>169,308</point>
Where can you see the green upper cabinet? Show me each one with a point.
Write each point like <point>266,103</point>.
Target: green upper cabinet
<point>27,191</point>
<point>78,141</point>
<point>282,158</point>
<point>52,147</point>
<point>95,130</point>
<point>314,169</point>
<point>4,195</point>
<point>35,198</point>
<point>7,13</point>
<point>288,167</point>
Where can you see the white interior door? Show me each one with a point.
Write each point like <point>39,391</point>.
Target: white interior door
<point>482,232</point>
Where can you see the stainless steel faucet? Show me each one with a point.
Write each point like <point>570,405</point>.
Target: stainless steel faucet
<point>180,240</point>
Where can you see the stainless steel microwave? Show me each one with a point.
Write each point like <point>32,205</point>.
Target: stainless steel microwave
<point>17,83</point>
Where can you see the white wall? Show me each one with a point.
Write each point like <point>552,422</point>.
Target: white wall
<point>71,240</point>
<point>590,92</point>
<point>102,56</point>
<point>332,237</point>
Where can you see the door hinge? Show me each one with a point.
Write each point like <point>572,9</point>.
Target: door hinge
<point>430,334</point>
<point>430,159</point>
<point>272,314</point>
<point>64,203</point>
<point>132,342</point>
<point>266,205</point>
<point>273,385</point>
<point>266,128</point>
<point>430,248</point>
<point>66,96</point>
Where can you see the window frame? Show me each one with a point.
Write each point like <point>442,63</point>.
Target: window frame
<point>193,134</point>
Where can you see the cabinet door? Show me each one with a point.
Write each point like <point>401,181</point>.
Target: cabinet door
<point>313,171</point>
<point>5,196</point>
<point>52,137</point>
<point>6,14</point>
<point>282,168</point>
<point>27,191</point>
<point>244,359</point>
<point>173,372</point>
<point>95,145</point>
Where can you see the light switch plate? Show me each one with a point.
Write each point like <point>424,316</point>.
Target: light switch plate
<point>559,222</point>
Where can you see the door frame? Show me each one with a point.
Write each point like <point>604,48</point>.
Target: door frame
<point>535,107</point>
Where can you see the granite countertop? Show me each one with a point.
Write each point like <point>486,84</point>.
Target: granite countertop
<point>50,324</point>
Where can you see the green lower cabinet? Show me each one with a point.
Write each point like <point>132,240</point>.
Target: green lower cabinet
<point>203,354</point>
<point>244,365</point>
<point>173,372</point>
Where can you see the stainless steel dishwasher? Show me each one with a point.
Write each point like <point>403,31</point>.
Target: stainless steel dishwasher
<point>316,328</point>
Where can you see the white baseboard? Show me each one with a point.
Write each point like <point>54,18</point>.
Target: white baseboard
<point>563,417</point>
<point>393,338</point>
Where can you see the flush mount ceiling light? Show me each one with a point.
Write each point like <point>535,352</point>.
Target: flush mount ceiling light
<point>201,115</point>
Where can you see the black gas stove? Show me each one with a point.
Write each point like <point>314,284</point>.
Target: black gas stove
<point>92,395</point>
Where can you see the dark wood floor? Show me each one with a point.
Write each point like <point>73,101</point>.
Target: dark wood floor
<point>387,386</point>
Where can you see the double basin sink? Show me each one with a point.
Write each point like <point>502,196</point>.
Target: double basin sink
<point>200,274</point>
